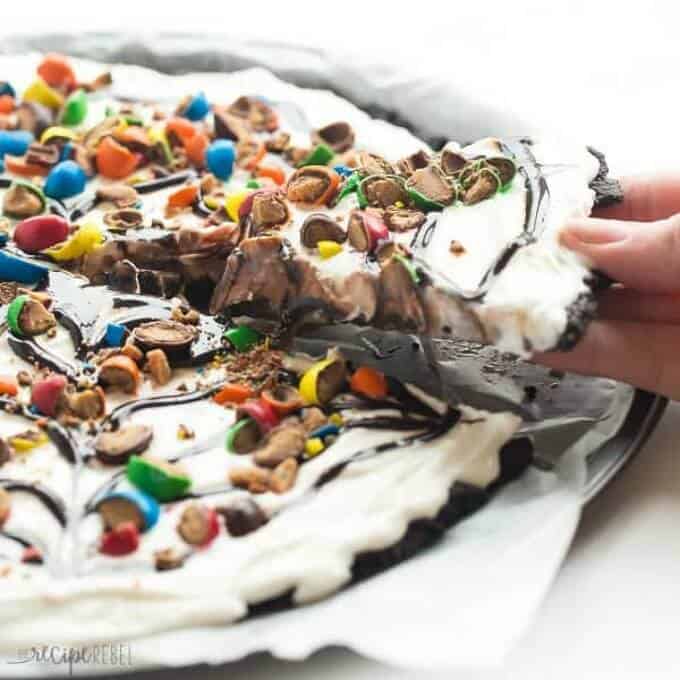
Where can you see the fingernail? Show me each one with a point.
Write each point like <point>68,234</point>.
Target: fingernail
<point>586,233</point>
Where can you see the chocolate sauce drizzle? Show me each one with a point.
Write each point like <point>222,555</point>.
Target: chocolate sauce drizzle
<point>537,206</point>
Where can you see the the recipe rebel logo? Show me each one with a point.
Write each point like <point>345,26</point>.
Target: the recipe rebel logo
<point>101,656</point>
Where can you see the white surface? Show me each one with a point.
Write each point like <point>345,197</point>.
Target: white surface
<point>614,609</point>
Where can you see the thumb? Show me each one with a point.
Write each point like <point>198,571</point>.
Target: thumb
<point>641,255</point>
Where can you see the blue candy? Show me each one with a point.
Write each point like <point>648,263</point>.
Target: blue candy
<point>220,158</point>
<point>6,88</point>
<point>325,431</point>
<point>343,170</point>
<point>115,334</point>
<point>4,238</point>
<point>148,506</point>
<point>15,269</point>
<point>66,179</point>
<point>197,108</point>
<point>15,142</point>
<point>66,152</point>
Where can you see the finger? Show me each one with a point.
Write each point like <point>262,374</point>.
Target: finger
<point>639,354</point>
<point>646,198</point>
<point>624,304</point>
<point>643,256</point>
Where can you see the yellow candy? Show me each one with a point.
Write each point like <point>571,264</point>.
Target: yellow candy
<point>313,447</point>
<point>233,203</point>
<point>88,238</point>
<point>399,204</point>
<point>158,136</point>
<point>336,419</point>
<point>26,441</point>
<point>41,93</point>
<point>57,132</point>
<point>310,379</point>
<point>211,202</point>
<point>328,249</point>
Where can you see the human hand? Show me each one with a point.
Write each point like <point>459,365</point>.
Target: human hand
<point>636,337</point>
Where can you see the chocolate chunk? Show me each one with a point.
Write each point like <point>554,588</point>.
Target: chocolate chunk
<point>166,335</point>
<point>430,183</point>
<point>114,448</point>
<point>400,305</point>
<point>319,227</point>
<point>45,155</point>
<point>195,524</point>
<point>383,192</point>
<point>169,558</point>
<point>286,441</point>
<point>403,219</point>
<point>8,291</point>
<point>228,126</point>
<point>87,404</point>
<point>123,219</point>
<point>312,185</point>
<point>373,164</point>
<point>118,510</point>
<point>159,366</point>
<point>313,418</point>
<point>258,114</point>
<point>242,516</point>
<point>34,117</point>
<point>482,184</point>
<point>22,200</point>
<point>504,166</point>
<point>278,143</point>
<point>34,319</point>
<point>268,210</point>
<point>246,438</point>
<point>338,136</point>
<point>254,479</point>
<point>408,165</point>
<point>284,475</point>
<point>121,195</point>
<point>451,162</point>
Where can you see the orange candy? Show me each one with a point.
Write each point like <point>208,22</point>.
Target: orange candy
<point>6,103</point>
<point>275,174</point>
<point>114,160</point>
<point>8,386</point>
<point>180,128</point>
<point>195,147</point>
<point>369,382</point>
<point>183,197</point>
<point>250,160</point>
<point>18,166</point>
<point>56,71</point>
<point>233,393</point>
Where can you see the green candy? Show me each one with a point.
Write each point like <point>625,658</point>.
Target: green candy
<point>157,478</point>
<point>75,108</point>
<point>242,338</point>
<point>320,155</point>
<point>410,268</point>
<point>423,202</point>
<point>350,186</point>
<point>252,184</point>
<point>14,312</point>
<point>233,433</point>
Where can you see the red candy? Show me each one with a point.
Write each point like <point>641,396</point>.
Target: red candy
<point>261,412</point>
<point>43,231</point>
<point>55,70</point>
<point>122,540</point>
<point>46,393</point>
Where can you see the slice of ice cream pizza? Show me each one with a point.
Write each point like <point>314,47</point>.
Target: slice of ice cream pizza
<point>247,210</point>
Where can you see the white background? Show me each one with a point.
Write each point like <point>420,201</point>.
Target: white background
<point>608,71</point>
